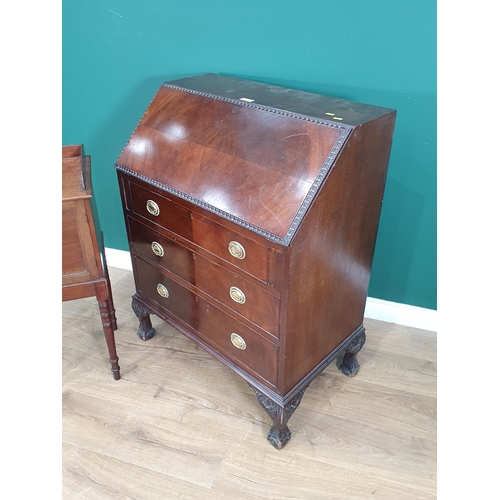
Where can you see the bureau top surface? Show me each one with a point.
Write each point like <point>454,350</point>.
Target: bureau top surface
<point>252,153</point>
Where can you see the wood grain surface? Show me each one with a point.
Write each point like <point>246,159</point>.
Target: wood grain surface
<point>181,425</point>
<point>191,142</point>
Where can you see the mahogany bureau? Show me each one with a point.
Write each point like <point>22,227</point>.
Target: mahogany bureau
<point>252,213</point>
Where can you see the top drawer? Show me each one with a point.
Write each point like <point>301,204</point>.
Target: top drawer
<point>232,246</point>
<point>161,211</point>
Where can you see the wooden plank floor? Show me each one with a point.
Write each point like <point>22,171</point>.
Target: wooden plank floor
<point>181,425</point>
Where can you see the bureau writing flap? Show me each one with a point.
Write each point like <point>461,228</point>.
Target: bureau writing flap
<point>253,164</point>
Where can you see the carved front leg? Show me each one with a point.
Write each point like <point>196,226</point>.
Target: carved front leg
<point>279,434</point>
<point>145,330</point>
<point>350,365</point>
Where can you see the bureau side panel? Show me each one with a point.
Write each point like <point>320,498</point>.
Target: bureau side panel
<point>331,254</point>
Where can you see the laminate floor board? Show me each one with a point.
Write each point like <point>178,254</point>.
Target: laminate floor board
<point>407,412</point>
<point>180,375</point>
<point>185,402</point>
<point>179,424</point>
<point>192,453</point>
<point>158,385</point>
<point>252,471</point>
<point>401,372</point>
<point>93,476</point>
<point>365,448</point>
<point>400,339</point>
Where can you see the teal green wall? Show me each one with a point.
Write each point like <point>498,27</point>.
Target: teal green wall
<point>117,53</point>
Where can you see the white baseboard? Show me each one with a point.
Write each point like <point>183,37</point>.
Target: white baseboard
<point>382,310</point>
<point>118,258</point>
<point>402,314</point>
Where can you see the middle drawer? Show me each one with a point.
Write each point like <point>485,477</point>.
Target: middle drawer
<point>239,294</point>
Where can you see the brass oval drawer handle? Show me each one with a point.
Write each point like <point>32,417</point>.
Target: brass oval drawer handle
<point>238,341</point>
<point>152,208</point>
<point>162,290</point>
<point>157,249</point>
<point>237,295</point>
<point>236,250</point>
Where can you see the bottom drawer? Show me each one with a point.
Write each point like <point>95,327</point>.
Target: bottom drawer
<point>232,339</point>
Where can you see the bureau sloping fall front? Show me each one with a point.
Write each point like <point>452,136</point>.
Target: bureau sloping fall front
<point>252,213</point>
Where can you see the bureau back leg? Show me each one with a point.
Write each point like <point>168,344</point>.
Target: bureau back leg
<point>145,330</point>
<point>279,434</point>
<point>108,321</point>
<point>350,365</point>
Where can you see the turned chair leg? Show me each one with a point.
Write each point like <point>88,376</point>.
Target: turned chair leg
<point>112,312</point>
<point>279,434</point>
<point>108,321</point>
<point>350,364</point>
<point>110,293</point>
<point>145,330</point>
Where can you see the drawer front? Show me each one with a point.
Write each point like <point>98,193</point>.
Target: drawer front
<point>162,250</point>
<point>231,246</point>
<point>240,344</point>
<point>165,292</point>
<point>227,335</point>
<point>242,296</point>
<point>161,211</point>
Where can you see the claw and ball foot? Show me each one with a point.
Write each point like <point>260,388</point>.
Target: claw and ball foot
<point>145,330</point>
<point>350,365</point>
<point>279,434</point>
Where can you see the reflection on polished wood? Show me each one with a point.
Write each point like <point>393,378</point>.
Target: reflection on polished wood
<point>180,425</point>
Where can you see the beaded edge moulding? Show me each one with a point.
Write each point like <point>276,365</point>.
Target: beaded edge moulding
<point>346,129</point>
